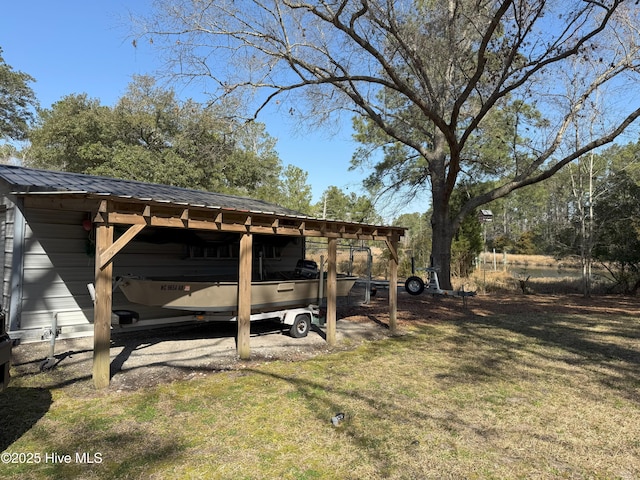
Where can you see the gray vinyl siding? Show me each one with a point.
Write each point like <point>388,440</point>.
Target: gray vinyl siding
<point>6,243</point>
<point>56,270</point>
<point>12,289</point>
<point>58,263</point>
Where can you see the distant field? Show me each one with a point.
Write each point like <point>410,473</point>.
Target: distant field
<point>526,260</point>
<point>542,274</point>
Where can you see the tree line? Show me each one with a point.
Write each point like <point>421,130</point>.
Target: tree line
<point>589,212</point>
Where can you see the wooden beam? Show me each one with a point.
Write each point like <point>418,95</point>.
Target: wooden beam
<point>244,296</point>
<point>101,214</point>
<point>102,309</point>
<point>332,288</point>
<point>122,211</point>
<point>393,285</point>
<point>106,256</point>
<point>202,224</point>
<point>59,202</point>
<point>164,216</point>
<point>184,216</point>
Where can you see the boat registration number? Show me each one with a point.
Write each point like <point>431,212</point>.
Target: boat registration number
<point>172,287</point>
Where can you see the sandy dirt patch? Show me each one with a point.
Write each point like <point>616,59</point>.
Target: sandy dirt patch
<point>150,357</point>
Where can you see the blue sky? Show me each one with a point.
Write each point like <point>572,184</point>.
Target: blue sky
<point>81,46</point>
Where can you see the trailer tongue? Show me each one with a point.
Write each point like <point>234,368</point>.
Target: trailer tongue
<point>5,353</point>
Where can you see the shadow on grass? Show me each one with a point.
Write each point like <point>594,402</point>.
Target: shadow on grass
<point>20,409</point>
<point>490,351</point>
<point>571,334</point>
<point>116,455</point>
<point>606,347</point>
<point>99,454</point>
<point>369,412</point>
<point>496,336</point>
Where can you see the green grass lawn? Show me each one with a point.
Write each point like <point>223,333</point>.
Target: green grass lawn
<point>529,394</point>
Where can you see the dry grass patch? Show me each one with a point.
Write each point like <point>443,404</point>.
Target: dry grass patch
<point>523,260</point>
<point>504,389</point>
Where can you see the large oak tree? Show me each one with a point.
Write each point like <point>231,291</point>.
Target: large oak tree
<point>17,102</point>
<point>151,136</point>
<point>427,74</point>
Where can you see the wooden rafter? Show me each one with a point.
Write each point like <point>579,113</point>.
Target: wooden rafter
<point>244,223</point>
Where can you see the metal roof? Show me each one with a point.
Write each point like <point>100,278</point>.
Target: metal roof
<point>23,180</point>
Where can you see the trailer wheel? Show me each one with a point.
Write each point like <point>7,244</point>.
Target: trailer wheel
<point>301,326</point>
<point>414,285</point>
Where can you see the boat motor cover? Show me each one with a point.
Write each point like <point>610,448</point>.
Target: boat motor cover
<point>307,269</point>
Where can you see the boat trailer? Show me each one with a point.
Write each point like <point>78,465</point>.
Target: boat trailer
<point>415,286</point>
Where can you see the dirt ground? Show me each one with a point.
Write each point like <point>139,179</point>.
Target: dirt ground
<point>149,357</point>
<point>152,357</point>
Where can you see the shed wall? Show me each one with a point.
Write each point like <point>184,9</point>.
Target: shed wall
<point>6,248</point>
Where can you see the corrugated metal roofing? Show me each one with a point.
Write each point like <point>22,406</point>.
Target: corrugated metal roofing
<point>28,180</point>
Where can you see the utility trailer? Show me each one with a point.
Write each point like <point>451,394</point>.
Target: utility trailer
<point>299,320</point>
<point>415,286</point>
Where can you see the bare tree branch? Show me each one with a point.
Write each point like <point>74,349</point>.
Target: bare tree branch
<point>428,75</point>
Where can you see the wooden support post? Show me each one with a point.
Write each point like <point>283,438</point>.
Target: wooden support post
<point>393,285</point>
<point>332,287</point>
<point>244,296</point>
<point>102,309</point>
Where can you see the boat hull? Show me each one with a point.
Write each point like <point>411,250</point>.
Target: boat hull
<point>207,296</point>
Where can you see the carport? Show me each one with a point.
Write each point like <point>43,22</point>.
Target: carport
<point>173,207</point>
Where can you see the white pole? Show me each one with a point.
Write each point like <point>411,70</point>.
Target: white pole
<point>321,281</point>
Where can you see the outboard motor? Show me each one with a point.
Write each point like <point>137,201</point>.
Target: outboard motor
<point>307,269</point>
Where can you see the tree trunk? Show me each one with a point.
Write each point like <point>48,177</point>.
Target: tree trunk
<point>442,238</point>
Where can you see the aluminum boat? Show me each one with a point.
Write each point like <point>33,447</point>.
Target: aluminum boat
<point>207,295</point>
